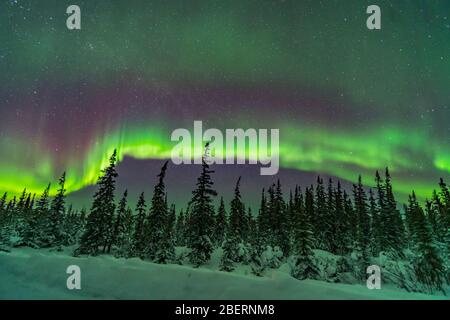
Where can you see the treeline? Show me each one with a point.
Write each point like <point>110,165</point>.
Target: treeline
<point>358,227</point>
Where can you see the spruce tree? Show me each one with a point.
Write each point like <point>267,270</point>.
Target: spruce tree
<point>342,223</point>
<point>428,264</point>
<point>55,232</point>
<point>221,224</point>
<point>281,221</point>
<point>201,216</point>
<point>138,248</point>
<point>396,226</point>
<point>321,221</point>
<point>118,226</point>
<point>99,223</point>
<point>375,235</point>
<point>362,244</point>
<point>304,266</point>
<point>38,221</point>
<point>331,225</point>
<point>229,255</point>
<point>264,223</point>
<point>166,250</point>
<point>124,242</point>
<point>237,222</point>
<point>180,229</point>
<point>157,218</point>
<point>4,221</point>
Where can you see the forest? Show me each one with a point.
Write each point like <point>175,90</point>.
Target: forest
<point>358,227</point>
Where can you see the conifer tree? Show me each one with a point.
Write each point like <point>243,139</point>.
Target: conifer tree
<point>342,223</point>
<point>138,248</point>
<point>264,223</point>
<point>98,230</point>
<point>3,200</point>
<point>304,266</point>
<point>229,255</point>
<point>157,218</point>
<point>4,221</point>
<point>428,265</point>
<point>362,244</point>
<point>331,225</point>
<point>201,215</point>
<point>166,250</point>
<point>55,232</point>
<point>375,235</point>
<point>321,221</point>
<point>281,221</point>
<point>221,224</point>
<point>180,229</point>
<point>125,240</point>
<point>118,226</point>
<point>37,222</point>
<point>237,223</point>
<point>395,227</point>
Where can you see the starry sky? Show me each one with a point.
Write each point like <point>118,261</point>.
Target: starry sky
<point>346,100</point>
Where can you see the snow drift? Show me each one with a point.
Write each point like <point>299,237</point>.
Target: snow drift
<point>39,274</point>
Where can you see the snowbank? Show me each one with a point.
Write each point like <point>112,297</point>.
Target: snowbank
<point>39,274</point>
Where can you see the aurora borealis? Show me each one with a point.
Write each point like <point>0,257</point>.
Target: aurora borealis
<point>347,100</point>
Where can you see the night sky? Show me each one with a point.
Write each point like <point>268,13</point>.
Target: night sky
<point>347,100</point>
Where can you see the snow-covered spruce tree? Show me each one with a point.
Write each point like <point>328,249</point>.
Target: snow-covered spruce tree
<point>229,255</point>
<point>304,266</point>
<point>321,220</point>
<point>342,223</point>
<point>256,264</point>
<point>166,250</point>
<point>54,232</point>
<point>124,242</point>
<point>428,264</point>
<point>98,230</point>
<point>351,218</point>
<point>118,223</point>
<point>281,221</point>
<point>73,226</point>
<point>362,244</point>
<point>4,221</point>
<point>157,247</point>
<point>38,221</point>
<point>180,229</point>
<point>138,248</point>
<point>444,223</point>
<point>157,219</point>
<point>263,221</point>
<point>331,231</point>
<point>238,224</point>
<point>375,226</point>
<point>392,227</point>
<point>200,226</point>
<point>220,224</point>
<point>252,229</point>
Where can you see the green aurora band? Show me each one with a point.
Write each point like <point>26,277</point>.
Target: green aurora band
<point>367,99</point>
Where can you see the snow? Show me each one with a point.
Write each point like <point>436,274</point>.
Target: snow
<point>41,274</point>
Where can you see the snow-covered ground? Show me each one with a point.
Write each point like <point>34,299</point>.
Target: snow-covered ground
<point>40,274</point>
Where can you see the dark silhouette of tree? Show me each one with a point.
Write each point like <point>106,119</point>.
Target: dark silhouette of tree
<point>55,232</point>
<point>98,230</point>
<point>180,229</point>
<point>221,224</point>
<point>138,248</point>
<point>428,265</point>
<point>118,227</point>
<point>201,213</point>
<point>157,218</point>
